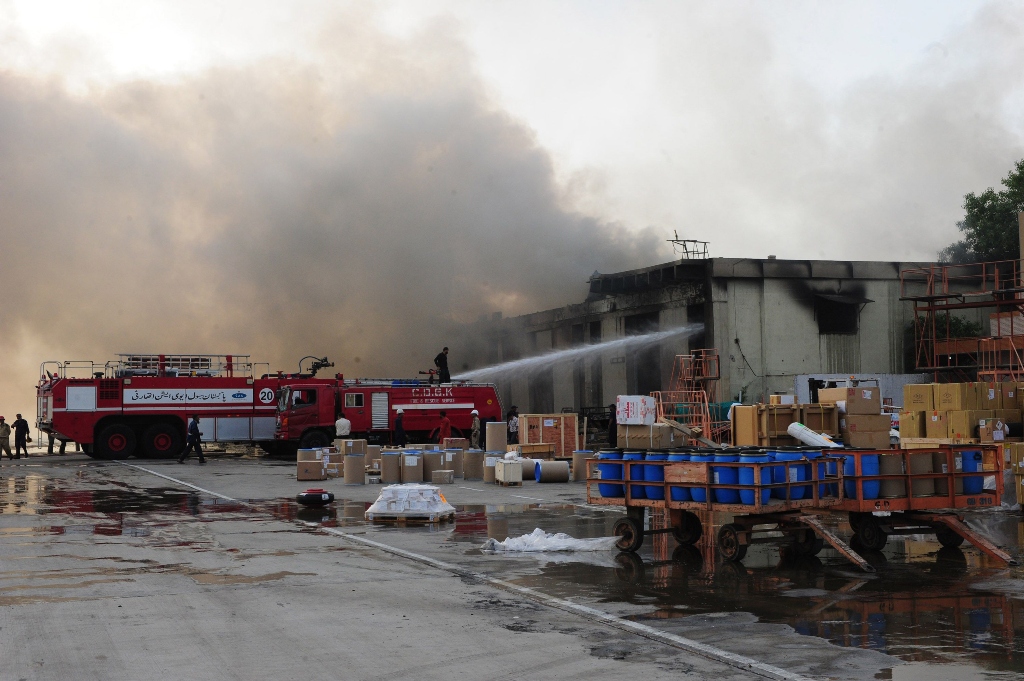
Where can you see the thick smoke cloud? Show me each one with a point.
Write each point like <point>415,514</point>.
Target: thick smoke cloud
<point>365,208</point>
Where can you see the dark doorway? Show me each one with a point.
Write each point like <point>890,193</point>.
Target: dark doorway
<point>695,315</point>
<point>542,392</point>
<point>643,364</point>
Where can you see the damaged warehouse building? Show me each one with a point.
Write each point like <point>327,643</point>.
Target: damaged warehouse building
<point>770,320</point>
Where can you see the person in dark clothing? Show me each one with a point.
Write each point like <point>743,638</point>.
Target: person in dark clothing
<point>512,422</point>
<point>444,431</point>
<point>401,439</point>
<point>53,438</point>
<point>613,427</point>
<point>21,431</point>
<point>193,442</point>
<point>441,362</point>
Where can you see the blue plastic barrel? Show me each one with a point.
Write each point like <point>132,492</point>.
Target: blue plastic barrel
<point>794,472</point>
<point>610,471</point>
<point>679,493</point>
<point>747,477</point>
<point>655,474</point>
<point>972,461</point>
<point>868,466</point>
<point>700,493</point>
<point>814,453</point>
<point>636,472</point>
<point>724,475</point>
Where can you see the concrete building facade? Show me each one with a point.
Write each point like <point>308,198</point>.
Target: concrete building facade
<point>770,320</point>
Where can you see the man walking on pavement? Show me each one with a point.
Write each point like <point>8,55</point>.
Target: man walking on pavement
<point>474,437</point>
<point>441,362</point>
<point>5,439</point>
<point>21,431</point>
<point>193,442</point>
<point>444,431</point>
<point>513,425</point>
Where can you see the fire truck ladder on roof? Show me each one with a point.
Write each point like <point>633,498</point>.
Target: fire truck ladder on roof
<point>694,388</point>
<point>938,291</point>
<point>182,365</point>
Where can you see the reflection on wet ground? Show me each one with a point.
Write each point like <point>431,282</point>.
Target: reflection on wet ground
<point>925,604</point>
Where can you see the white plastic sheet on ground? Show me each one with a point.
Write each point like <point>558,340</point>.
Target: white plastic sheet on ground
<point>540,541</point>
<point>419,500</point>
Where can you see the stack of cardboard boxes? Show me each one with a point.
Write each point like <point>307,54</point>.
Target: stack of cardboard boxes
<point>1014,452</point>
<point>862,422</point>
<point>959,412</point>
<point>326,462</point>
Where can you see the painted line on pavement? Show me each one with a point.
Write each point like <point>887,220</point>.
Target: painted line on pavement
<point>593,614</point>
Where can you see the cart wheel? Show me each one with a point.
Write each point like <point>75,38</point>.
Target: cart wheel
<point>856,518</point>
<point>630,534</point>
<point>870,534</point>
<point>631,568</point>
<point>948,537</point>
<point>729,542</point>
<point>810,546</point>
<point>689,530</point>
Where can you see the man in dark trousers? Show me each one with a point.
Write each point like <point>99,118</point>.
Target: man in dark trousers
<point>193,441</point>
<point>444,431</point>
<point>400,438</point>
<point>613,427</point>
<point>20,436</point>
<point>512,423</point>
<point>441,362</point>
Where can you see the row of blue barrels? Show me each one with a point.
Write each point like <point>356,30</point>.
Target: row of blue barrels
<point>744,476</point>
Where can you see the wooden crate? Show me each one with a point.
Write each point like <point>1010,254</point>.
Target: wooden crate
<point>540,450</point>
<point>821,418</point>
<point>774,419</point>
<point>933,442</point>
<point>561,430</point>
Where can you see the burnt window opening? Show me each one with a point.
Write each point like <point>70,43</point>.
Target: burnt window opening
<point>836,317</point>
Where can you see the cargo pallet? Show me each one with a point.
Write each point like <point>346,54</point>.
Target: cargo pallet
<point>410,518</point>
<point>917,513</point>
<point>802,532</point>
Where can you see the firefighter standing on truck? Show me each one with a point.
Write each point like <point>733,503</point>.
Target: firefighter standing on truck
<point>193,441</point>
<point>5,439</point>
<point>441,362</point>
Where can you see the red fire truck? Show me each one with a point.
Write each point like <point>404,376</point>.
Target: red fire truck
<point>307,410</point>
<point>140,404</point>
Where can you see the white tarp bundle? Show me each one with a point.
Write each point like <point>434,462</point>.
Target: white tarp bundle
<point>410,501</point>
<point>541,541</point>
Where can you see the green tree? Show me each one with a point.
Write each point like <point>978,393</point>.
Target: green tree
<point>990,223</point>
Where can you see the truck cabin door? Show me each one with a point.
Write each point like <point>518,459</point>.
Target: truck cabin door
<point>355,411</point>
<point>303,407</point>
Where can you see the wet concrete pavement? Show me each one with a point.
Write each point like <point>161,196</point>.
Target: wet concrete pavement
<point>215,587</point>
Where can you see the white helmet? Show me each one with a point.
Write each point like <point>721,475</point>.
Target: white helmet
<point>401,411</point>
<point>475,412</point>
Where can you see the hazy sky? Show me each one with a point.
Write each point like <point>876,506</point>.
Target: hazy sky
<point>357,179</point>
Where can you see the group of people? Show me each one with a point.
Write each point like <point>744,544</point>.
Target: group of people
<point>20,429</point>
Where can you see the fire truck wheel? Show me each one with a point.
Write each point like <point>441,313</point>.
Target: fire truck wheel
<point>115,442</point>
<point>162,441</point>
<point>314,439</point>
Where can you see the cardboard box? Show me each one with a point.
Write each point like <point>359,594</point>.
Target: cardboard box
<point>831,395</point>
<point>935,424</point>
<point>657,436</point>
<point>1009,393</point>
<point>1008,415</point>
<point>962,424</point>
<point>334,470</point>
<point>912,423</point>
<point>310,455</point>
<point>993,430</point>
<point>744,425</point>
<point>949,396</point>
<point>990,395</point>
<point>864,400</point>
<point>918,397</point>
<point>347,447</point>
<point>867,440</point>
<point>972,393</point>
<point>310,470</point>
<point>1015,452</point>
<point>867,423</point>
<point>455,443</point>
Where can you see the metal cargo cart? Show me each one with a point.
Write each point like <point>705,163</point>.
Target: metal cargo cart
<point>924,497</point>
<point>753,523</point>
